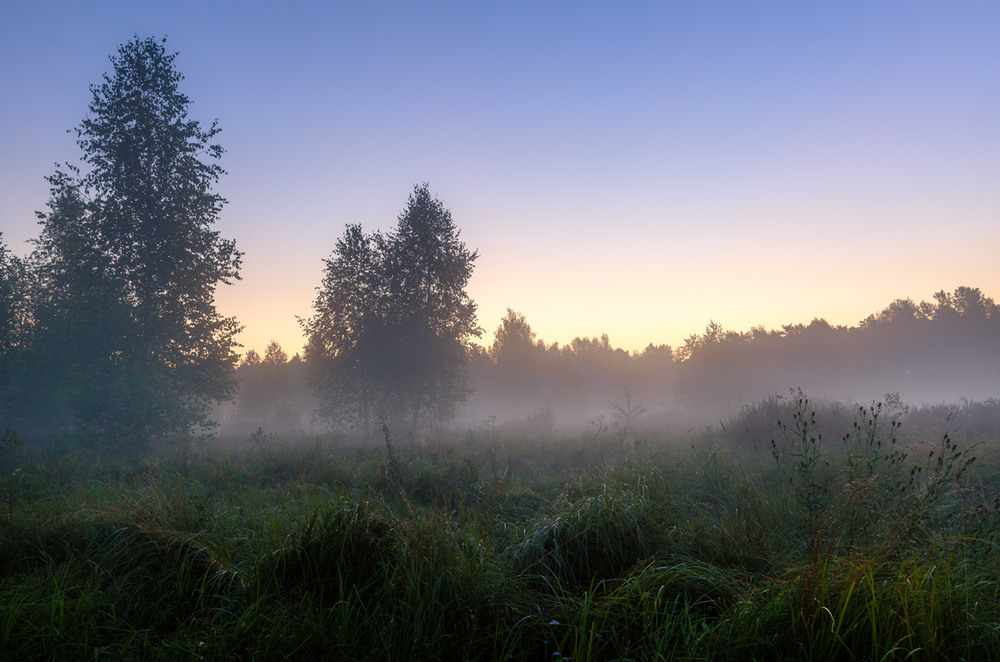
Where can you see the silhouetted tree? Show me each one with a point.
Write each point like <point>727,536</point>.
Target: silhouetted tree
<point>128,262</point>
<point>625,415</point>
<point>900,311</point>
<point>513,341</point>
<point>392,325</point>
<point>251,358</point>
<point>967,302</point>
<point>342,338</point>
<point>274,355</point>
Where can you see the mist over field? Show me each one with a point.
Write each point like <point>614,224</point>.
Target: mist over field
<point>926,353</point>
<point>405,471</point>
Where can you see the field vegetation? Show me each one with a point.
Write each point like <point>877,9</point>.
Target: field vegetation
<point>842,532</point>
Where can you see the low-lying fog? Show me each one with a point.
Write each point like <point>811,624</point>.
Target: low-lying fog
<point>944,352</point>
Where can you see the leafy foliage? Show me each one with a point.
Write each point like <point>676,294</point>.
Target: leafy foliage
<point>127,262</point>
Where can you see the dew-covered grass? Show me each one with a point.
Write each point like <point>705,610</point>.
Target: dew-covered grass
<point>870,546</point>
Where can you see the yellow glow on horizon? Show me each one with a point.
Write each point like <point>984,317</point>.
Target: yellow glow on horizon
<point>639,302</point>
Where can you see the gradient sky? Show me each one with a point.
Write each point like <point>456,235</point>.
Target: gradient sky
<point>630,168</point>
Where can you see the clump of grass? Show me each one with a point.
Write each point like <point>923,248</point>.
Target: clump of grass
<point>450,487</point>
<point>156,579</point>
<point>866,607</point>
<point>90,585</point>
<point>448,591</point>
<point>344,544</point>
<point>28,541</point>
<point>591,538</point>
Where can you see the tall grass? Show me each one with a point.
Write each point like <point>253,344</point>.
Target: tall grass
<point>860,545</point>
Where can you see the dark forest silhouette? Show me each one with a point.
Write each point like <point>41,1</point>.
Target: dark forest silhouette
<point>927,352</point>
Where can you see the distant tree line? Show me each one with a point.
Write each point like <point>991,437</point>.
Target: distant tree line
<point>949,347</point>
<point>519,375</point>
<point>945,349</point>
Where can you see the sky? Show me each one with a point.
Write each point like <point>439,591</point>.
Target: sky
<point>629,168</point>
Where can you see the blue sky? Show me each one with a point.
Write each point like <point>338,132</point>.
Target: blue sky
<point>631,168</point>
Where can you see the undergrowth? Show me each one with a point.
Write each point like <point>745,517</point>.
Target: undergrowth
<point>867,544</point>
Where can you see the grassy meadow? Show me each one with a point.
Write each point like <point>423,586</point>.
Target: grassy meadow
<point>848,537</point>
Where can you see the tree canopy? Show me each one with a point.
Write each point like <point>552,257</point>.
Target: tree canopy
<point>128,261</point>
<point>393,321</point>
